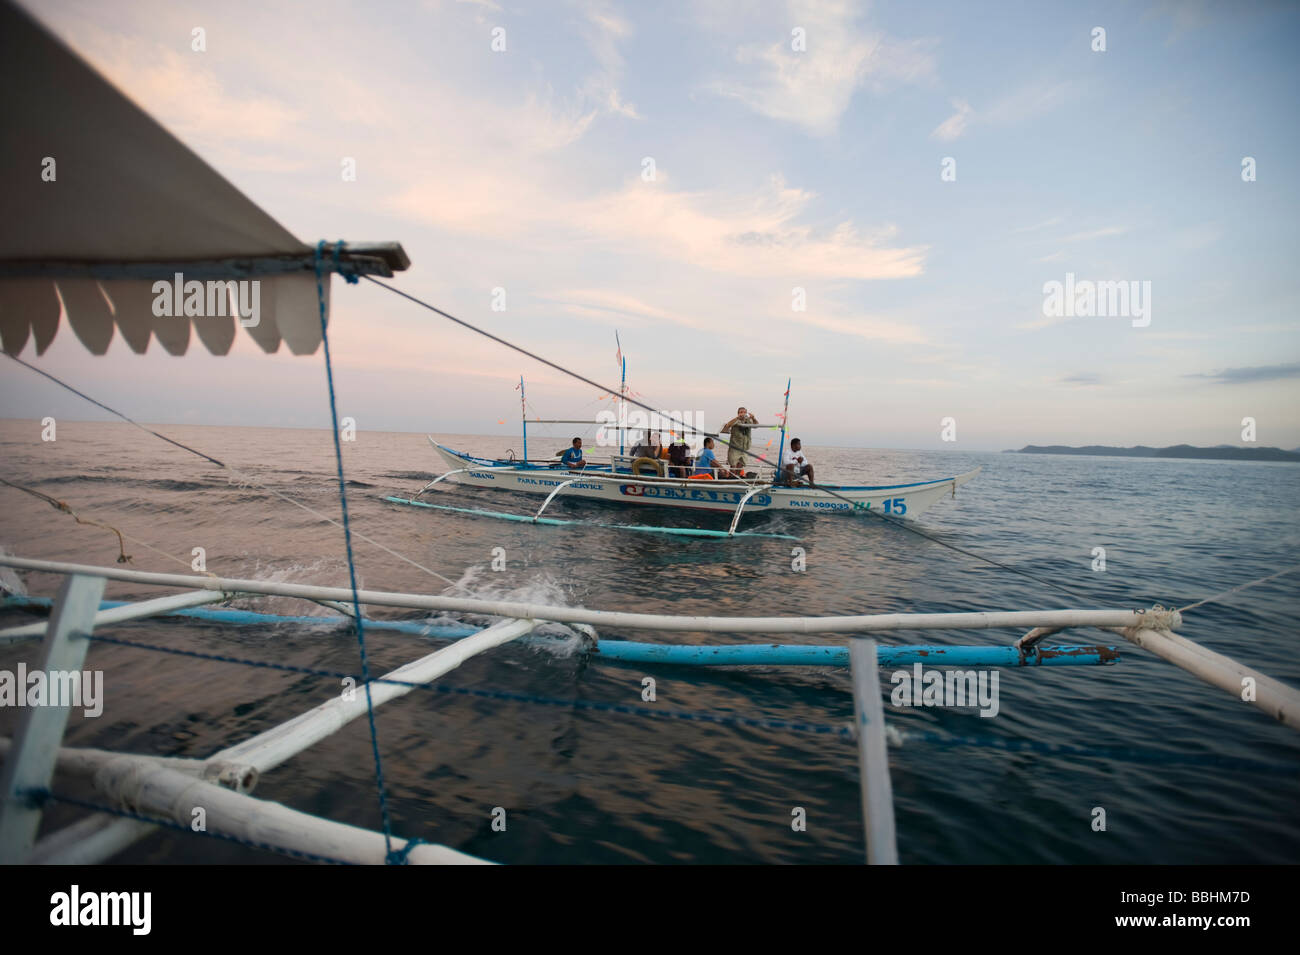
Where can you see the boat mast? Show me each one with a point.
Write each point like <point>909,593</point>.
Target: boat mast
<point>622,394</point>
<point>523,412</point>
<point>780,452</point>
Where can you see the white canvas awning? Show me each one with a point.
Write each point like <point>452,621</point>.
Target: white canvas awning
<point>101,202</point>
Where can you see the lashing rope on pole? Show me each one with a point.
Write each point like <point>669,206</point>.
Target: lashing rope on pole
<point>358,619</point>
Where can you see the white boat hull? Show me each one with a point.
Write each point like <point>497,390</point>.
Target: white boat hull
<point>901,500</point>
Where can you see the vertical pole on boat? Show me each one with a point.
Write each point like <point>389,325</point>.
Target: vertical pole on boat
<point>873,757</point>
<point>622,408</point>
<point>523,411</point>
<point>35,750</point>
<point>622,392</point>
<point>780,452</point>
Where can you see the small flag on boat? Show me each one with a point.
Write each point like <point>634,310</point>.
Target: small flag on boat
<point>618,356</point>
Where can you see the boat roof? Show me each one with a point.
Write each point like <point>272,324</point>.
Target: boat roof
<point>121,204</point>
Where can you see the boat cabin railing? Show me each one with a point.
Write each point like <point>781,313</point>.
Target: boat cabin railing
<point>752,472</point>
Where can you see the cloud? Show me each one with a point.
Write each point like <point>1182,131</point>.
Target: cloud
<point>954,125</point>
<point>813,87</point>
<point>860,325</point>
<point>1082,379</point>
<point>1195,237</point>
<point>755,233</point>
<point>1028,102</point>
<point>603,305</point>
<point>1250,375</point>
<point>1046,223</point>
<point>1102,233</point>
<point>604,30</point>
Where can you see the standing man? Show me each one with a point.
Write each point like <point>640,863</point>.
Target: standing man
<point>738,443</point>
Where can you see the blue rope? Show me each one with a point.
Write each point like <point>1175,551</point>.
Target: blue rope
<point>348,277</point>
<point>400,856</point>
<point>347,538</point>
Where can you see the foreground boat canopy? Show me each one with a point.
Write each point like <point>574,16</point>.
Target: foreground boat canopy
<point>101,202</point>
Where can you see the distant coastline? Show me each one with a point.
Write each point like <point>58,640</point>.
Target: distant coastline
<point>1221,453</point>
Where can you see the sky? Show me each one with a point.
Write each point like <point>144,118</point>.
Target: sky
<point>912,174</point>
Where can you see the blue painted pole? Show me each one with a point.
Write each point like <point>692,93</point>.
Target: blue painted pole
<point>780,452</point>
<point>523,411</point>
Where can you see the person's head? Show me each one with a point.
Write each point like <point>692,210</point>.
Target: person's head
<point>577,442</point>
<point>796,445</point>
<point>741,411</point>
<point>708,442</point>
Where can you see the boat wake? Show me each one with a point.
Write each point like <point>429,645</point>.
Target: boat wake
<point>562,640</point>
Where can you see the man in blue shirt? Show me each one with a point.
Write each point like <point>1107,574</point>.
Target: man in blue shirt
<point>572,458</point>
<point>707,462</point>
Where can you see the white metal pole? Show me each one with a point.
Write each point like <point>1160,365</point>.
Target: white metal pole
<point>873,758</point>
<point>30,763</point>
<point>982,620</point>
<point>1275,698</point>
<point>274,746</point>
<point>134,611</point>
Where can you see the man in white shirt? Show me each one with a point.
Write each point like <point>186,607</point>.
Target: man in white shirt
<point>799,466</point>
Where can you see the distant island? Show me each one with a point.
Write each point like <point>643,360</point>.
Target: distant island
<point>1224,452</point>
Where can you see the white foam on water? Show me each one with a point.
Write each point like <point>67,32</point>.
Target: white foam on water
<point>10,582</point>
<point>324,572</point>
<point>481,583</point>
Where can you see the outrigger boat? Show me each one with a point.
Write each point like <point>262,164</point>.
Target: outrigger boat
<point>616,481</point>
<point>628,479</point>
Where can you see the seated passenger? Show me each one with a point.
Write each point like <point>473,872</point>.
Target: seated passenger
<point>707,463</point>
<point>648,447</point>
<point>679,457</point>
<point>572,458</point>
<point>798,466</point>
